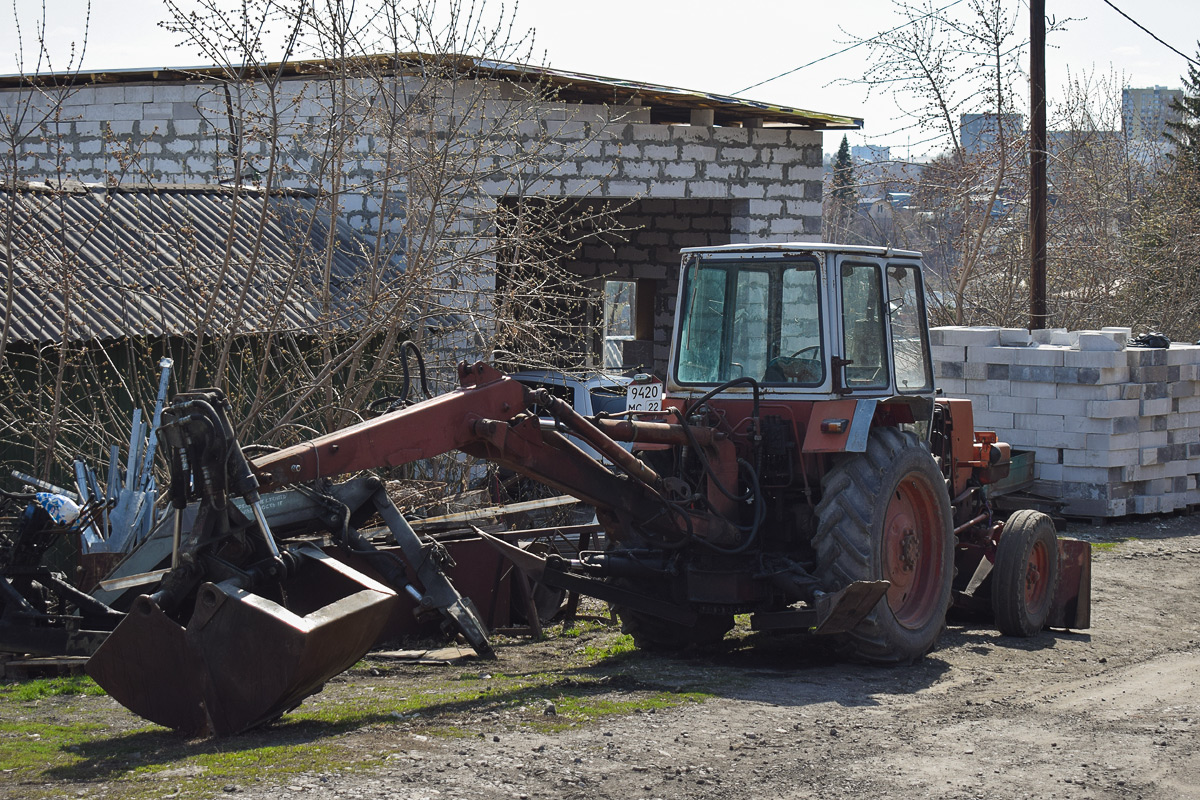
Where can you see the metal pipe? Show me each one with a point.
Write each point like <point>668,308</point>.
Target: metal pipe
<point>583,428</point>
<point>176,536</point>
<point>655,432</point>
<point>966,525</point>
<point>261,518</point>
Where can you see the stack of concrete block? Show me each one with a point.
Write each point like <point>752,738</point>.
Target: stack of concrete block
<point>1115,430</point>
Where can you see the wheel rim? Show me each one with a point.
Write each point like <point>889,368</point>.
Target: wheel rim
<point>912,553</point>
<point>1037,577</point>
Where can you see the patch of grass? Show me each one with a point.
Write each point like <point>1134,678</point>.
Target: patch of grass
<point>618,646</point>
<point>51,746</point>
<point>38,688</point>
<point>1105,546</point>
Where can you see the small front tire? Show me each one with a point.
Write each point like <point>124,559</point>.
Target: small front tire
<point>1025,576</point>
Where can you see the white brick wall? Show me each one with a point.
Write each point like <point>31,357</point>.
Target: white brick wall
<point>1114,428</point>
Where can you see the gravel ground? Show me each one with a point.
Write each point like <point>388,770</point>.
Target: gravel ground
<point>1107,713</point>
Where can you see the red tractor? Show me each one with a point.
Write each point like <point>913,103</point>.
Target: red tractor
<point>801,470</point>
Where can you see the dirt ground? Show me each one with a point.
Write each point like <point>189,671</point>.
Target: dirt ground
<point>1108,713</point>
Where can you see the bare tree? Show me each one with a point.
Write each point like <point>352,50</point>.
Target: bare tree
<point>949,66</point>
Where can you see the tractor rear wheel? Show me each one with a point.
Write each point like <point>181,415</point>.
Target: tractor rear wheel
<point>885,515</point>
<point>1025,576</point>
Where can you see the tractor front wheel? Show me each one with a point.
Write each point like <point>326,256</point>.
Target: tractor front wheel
<point>1025,576</point>
<point>885,515</point>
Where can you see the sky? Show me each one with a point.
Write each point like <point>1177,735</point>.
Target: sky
<point>711,45</point>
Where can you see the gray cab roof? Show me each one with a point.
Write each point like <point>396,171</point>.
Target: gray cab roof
<point>804,247</point>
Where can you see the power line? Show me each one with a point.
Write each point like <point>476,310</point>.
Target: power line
<point>876,37</point>
<point>1152,35</point>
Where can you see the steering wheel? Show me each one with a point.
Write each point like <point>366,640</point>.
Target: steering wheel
<point>815,348</point>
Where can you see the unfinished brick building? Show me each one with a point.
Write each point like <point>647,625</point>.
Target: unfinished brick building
<point>683,168</point>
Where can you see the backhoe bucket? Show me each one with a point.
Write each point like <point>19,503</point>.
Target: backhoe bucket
<point>242,659</point>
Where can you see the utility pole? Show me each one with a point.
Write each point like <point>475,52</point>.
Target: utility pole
<point>1037,164</point>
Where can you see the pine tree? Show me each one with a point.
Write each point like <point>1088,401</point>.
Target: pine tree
<point>843,175</point>
<point>1184,133</point>
<point>843,195</point>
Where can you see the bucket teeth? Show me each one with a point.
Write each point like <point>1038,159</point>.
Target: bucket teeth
<point>242,659</point>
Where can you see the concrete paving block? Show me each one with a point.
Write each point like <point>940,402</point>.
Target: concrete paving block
<point>1051,336</point>
<point>1174,470</point>
<point>1094,358</point>
<point>1034,389</point>
<point>987,388</point>
<point>1120,441</point>
<point>980,371</point>
<point>1089,425</point>
<point>1155,374</point>
<point>1153,408</point>
<point>1045,455</point>
<point>1059,406</point>
<point>948,369</point>
<point>1091,391</point>
<point>1090,476</point>
<point>965,336</point>
<point>1038,422</point>
<point>1017,405</point>
<point>1100,458</point>
<point>1104,409</point>
<point>1094,340</point>
<point>992,420</point>
<point>1153,439</point>
<point>1030,373</point>
<point>1181,389</point>
<point>1114,375</point>
<point>1060,440</point>
<point>1021,439</point>
<point>1116,330</point>
<point>1179,354</point>
<point>952,387</point>
<point>1145,505</point>
<point>1047,472</point>
<point>1028,356</point>
<point>1146,356</point>
<point>1107,391</point>
<point>1153,390</point>
<point>1188,405</point>
<point>942,352</point>
<point>1152,425</point>
<point>1183,436</point>
<point>1015,337</point>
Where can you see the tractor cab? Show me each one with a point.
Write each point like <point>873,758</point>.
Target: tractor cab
<point>816,320</point>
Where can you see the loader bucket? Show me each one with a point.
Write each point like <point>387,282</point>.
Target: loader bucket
<point>242,659</point>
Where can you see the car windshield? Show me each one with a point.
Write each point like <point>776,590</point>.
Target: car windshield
<point>608,399</point>
<point>758,319</point>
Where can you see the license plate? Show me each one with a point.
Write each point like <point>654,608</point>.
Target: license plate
<point>644,397</point>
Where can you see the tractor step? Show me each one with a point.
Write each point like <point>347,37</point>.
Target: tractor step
<point>835,612</point>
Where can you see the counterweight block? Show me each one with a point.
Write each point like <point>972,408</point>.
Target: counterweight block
<point>243,659</point>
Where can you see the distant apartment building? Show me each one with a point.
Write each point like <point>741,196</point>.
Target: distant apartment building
<point>1145,112</point>
<point>871,152</point>
<point>978,132</point>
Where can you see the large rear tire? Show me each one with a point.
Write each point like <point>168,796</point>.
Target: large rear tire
<point>885,515</point>
<point>1025,576</point>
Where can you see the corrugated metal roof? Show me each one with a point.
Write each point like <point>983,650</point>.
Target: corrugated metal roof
<point>667,103</point>
<point>152,261</point>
